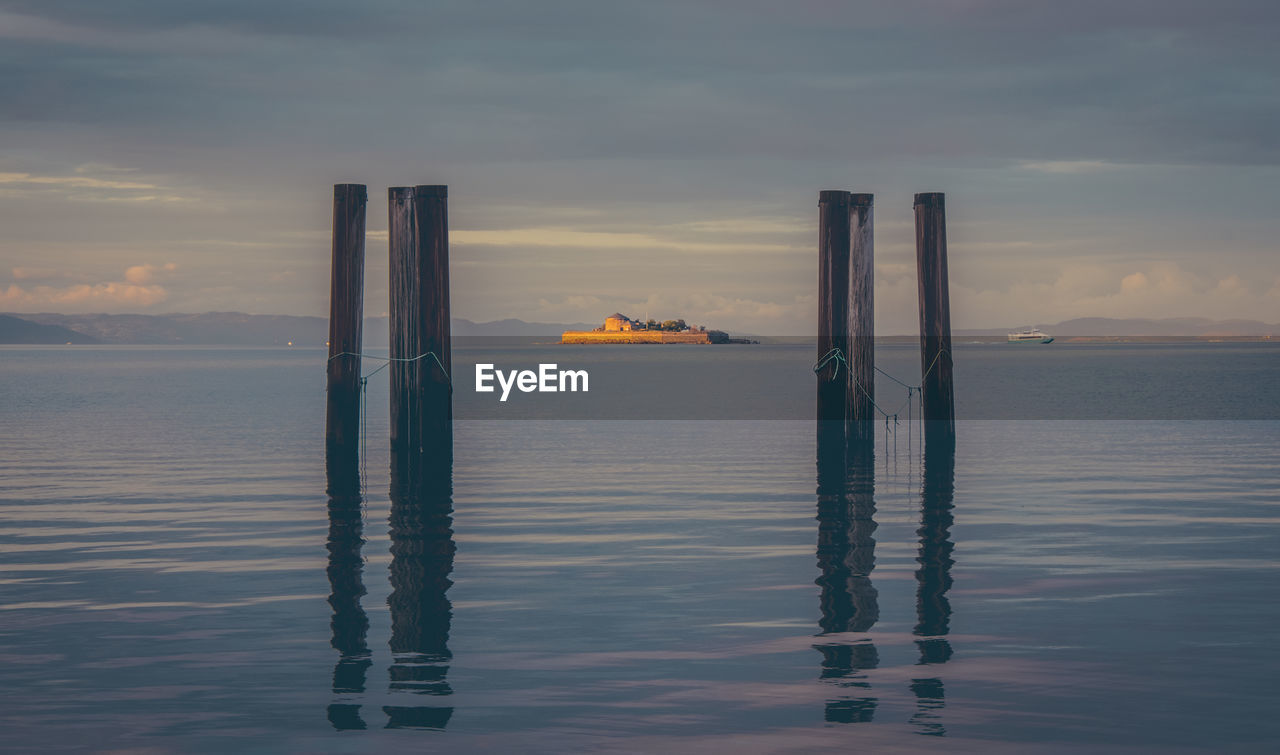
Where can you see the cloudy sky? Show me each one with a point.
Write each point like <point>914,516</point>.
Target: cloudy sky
<point>1100,157</point>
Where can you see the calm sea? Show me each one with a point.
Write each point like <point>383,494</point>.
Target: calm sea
<point>1095,567</point>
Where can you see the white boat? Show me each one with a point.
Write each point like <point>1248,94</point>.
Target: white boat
<point>1031,335</point>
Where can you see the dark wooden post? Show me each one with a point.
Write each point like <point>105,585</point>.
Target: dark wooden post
<point>421,392</point>
<point>862,358</point>
<point>346,311</point>
<point>401,312</point>
<point>936,396</point>
<point>431,205</point>
<point>834,377</point>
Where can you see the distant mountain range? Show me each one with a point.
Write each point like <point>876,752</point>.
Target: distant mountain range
<point>17,330</point>
<point>239,329</point>
<point>1176,327</point>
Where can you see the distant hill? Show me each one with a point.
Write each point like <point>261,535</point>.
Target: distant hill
<point>1182,326</point>
<point>229,329</point>
<point>17,330</point>
<point>209,328</point>
<point>1194,327</point>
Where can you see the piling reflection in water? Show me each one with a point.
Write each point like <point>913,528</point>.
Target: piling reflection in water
<point>933,579</point>
<point>349,625</point>
<point>846,557</point>
<point>422,550</point>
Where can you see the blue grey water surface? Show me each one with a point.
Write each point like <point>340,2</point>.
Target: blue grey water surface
<point>170,578</point>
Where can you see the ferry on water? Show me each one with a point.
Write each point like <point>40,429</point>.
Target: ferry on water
<point>1031,335</point>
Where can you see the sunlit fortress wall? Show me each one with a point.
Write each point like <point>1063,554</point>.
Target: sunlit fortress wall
<point>642,336</point>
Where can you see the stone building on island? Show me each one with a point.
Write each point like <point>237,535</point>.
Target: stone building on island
<point>617,322</point>
<point>619,328</point>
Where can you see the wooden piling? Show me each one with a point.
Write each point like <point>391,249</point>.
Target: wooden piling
<point>936,395</point>
<point>401,310</point>
<point>834,376</point>
<point>346,312</point>
<point>421,391</point>
<point>846,329</point>
<point>862,360</point>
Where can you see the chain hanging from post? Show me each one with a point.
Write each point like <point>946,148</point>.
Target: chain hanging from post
<point>364,400</point>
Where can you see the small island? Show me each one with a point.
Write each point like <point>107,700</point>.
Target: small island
<point>619,328</point>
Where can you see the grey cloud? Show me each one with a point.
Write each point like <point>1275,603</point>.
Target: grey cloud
<point>518,81</point>
<point>652,113</point>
